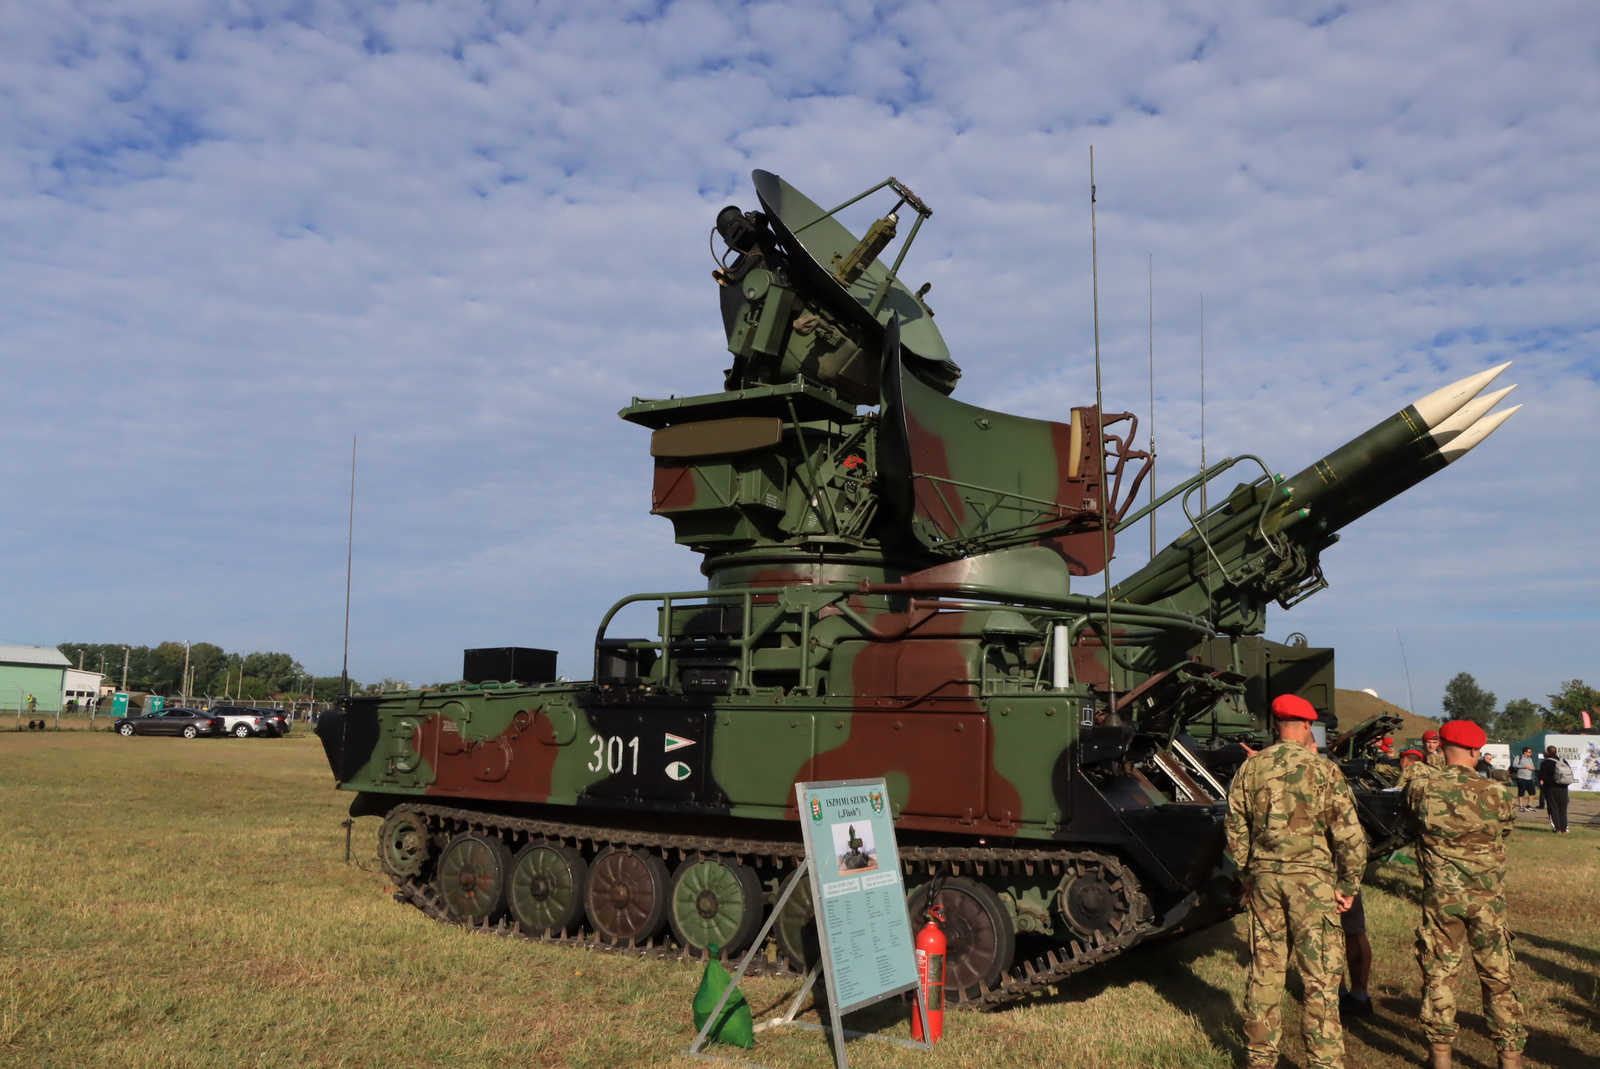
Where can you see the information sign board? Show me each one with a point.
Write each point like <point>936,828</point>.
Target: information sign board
<point>856,887</point>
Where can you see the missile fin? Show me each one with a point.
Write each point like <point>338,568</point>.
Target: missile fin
<point>1441,404</point>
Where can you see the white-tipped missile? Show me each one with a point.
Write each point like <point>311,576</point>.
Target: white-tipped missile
<point>1467,440</point>
<point>1440,405</point>
<point>1389,448</point>
<point>1469,413</point>
<point>1391,445</point>
<point>1361,498</point>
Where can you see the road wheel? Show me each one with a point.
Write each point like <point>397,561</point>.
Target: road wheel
<point>190,731</point>
<point>547,884</point>
<point>403,843</point>
<point>241,732</point>
<point>978,932</point>
<point>627,896</point>
<point>473,871</point>
<point>715,903</point>
<point>126,730</point>
<point>1099,895</point>
<point>796,927</point>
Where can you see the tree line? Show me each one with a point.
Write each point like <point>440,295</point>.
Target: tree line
<point>1464,699</point>
<point>213,671</point>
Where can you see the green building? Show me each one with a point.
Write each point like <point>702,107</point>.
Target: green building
<point>40,671</point>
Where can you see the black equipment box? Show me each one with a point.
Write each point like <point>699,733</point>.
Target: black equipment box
<point>508,664</point>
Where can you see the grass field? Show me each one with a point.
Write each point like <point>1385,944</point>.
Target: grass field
<point>167,902</point>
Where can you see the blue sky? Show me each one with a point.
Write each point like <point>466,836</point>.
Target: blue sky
<point>234,234</point>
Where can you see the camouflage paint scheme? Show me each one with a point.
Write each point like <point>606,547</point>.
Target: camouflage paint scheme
<point>886,588</point>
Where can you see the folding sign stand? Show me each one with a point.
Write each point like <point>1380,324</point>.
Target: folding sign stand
<point>865,802</point>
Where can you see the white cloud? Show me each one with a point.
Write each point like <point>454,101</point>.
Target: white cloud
<point>234,234</point>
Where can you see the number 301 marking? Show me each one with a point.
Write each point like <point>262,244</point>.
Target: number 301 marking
<point>608,753</point>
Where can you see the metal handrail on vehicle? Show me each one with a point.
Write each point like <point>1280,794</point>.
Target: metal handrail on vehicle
<point>970,597</point>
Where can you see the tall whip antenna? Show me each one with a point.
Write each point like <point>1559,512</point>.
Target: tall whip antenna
<point>1152,278</point>
<point>349,559</point>
<point>1205,521</point>
<point>1100,430</point>
<point>1202,406</point>
<point>1410,697</point>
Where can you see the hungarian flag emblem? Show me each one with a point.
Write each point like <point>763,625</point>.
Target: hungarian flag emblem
<point>816,808</point>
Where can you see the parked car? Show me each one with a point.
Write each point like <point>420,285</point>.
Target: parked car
<point>279,718</point>
<point>243,723</point>
<point>189,723</point>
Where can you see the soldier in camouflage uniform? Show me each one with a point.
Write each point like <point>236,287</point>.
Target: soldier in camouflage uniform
<point>1430,742</point>
<point>1461,822</point>
<point>1292,829</point>
<point>1412,766</point>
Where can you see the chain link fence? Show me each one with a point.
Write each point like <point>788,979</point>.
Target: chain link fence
<point>15,713</point>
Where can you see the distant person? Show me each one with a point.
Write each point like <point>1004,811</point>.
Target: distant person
<point>1525,776</point>
<point>1485,767</point>
<point>1430,743</point>
<point>1461,823</point>
<point>1293,832</point>
<point>1555,775</point>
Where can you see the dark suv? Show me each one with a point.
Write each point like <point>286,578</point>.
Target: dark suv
<point>280,721</point>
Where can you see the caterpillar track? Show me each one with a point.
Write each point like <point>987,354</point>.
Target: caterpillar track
<point>417,883</point>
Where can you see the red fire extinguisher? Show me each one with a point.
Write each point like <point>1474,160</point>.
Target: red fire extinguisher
<point>930,973</point>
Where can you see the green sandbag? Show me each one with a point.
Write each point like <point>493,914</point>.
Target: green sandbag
<point>735,1025</point>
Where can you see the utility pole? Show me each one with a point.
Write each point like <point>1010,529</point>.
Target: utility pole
<point>184,698</point>
<point>124,669</point>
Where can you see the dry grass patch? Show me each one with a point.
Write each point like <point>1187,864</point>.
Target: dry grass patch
<point>174,902</point>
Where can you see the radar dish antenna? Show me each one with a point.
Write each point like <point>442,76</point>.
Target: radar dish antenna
<point>845,273</point>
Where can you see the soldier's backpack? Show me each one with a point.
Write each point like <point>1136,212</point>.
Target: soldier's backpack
<point>1562,774</point>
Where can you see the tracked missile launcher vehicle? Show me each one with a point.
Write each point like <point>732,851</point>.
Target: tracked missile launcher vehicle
<point>890,593</point>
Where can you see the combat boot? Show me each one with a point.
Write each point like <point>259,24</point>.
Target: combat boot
<point>1511,1059</point>
<point>1439,1056</point>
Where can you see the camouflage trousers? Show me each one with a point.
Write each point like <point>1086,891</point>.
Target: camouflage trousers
<point>1452,925</point>
<point>1294,914</point>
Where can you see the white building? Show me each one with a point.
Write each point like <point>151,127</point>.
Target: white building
<point>81,687</point>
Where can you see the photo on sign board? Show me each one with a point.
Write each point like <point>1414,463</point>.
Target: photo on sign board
<point>853,845</point>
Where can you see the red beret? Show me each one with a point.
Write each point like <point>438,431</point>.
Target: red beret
<point>1387,744</point>
<point>1292,707</point>
<point>1414,753</point>
<point>1463,733</point>
<point>1426,735</point>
